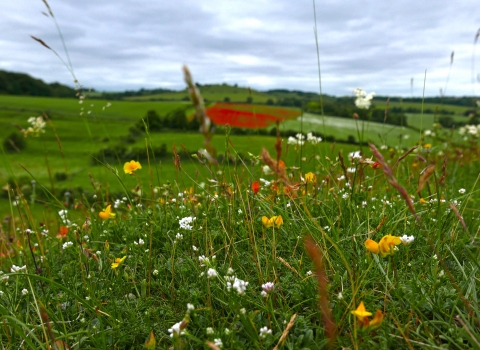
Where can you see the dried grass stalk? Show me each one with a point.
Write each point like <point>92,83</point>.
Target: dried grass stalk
<point>205,124</point>
<point>444,172</point>
<point>287,265</point>
<point>403,156</point>
<point>457,214</point>
<point>424,176</point>
<point>391,179</point>
<point>286,331</point>
<point>322,280</point>
<point>41,42</point>
<point>275,166</point>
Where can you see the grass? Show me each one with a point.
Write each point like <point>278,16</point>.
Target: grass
<point>186,239</point>
<point>184,243</point>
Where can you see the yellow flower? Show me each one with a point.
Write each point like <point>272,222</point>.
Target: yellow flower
<point>361,312</point>
<point>376,320</point>
<point>372,246</point>
<point>131,166</point>
<point>384,247</point>
<point>117,262</point>
<point>422,201</point>
<point>387,243</point>
<point>107,213</point>
<point>427,145</point>
<point>276,221</point>
<point>310,177</point>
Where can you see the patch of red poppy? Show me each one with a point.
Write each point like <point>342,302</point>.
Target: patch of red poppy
<point>248,116</point>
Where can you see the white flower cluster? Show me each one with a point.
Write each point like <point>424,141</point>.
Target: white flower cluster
<point>264,331</point>
<point>37,127</point>
<point>429,133</point>
<point>239,285</point>
<point>185,223</point>
<point>64,216</point>
<point>363,100</point>
<point>313,139</point>
<point>140,242</point>
<point>16,268</point>
<point>472,130</point>
<point>299,139</point>
<point>407,239</point>
<point>67,245</point>
<point>355,155</point>
<point>267,288</point>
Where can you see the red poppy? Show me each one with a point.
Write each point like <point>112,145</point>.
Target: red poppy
<point>376,165</point>
<point>255,187</point>
<point>62,232</point>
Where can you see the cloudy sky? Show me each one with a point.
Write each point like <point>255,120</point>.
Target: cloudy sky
<point>128,44</point>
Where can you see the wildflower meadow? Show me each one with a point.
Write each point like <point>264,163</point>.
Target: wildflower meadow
<point>296,242</point>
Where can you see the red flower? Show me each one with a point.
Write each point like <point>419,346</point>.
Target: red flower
<point>255,187</point>
<point>62,232</point>
<point>376,165</point>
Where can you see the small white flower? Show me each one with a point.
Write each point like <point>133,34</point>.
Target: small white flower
<point>309,273</point>
<point>345,195</point>
<point>243,311</point>
<point>461,191</point>
<point>230,271</point>
<point>435,257</point>
<point>364,204</point>
<point>340,296</point>
<point>24,291</point>
<point>87,298</point>
<point>441,273</point>
<point>264,331</point>
<point>355,155</point>
<point>175,330</point>
<point>264,294</point>
<point>227,331</point>
<point>190,307</point>
<point>218,342</point>
<point>203,260</point>
<point>341,178</point>
<point>155,272</point>
<point>407,239</point>
<point>194,248</point>
<point>178,236</point>
<point>211,273</point>
<point>210,330</point>
<point>351,170</point>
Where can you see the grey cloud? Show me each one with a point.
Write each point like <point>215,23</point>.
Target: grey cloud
<point>125,44</point>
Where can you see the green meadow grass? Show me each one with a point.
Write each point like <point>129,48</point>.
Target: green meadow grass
<point>186,239</point>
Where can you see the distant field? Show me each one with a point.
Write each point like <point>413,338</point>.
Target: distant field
<point>82,136</point>
<point>426,121</point>
<point>427,106</point>
<point>341,128</point>
<point>212,93</point>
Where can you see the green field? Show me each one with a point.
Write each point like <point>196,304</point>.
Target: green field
<point>50,159</point>
<point>212,93</point>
